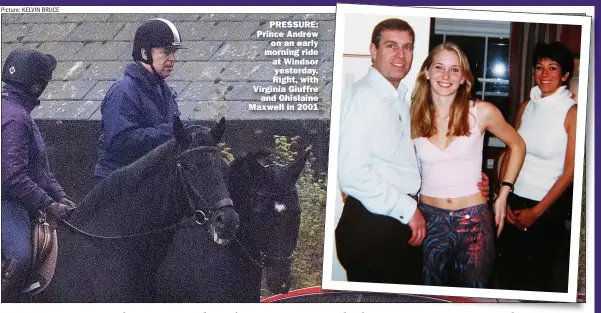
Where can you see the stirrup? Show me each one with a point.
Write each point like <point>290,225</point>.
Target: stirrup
<point>45,252</point>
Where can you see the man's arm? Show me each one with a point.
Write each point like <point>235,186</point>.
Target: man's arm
<point>483,185</point>
<point>359,127</point>
<point>125,135</point>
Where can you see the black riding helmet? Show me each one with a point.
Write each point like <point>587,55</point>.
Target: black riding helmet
<point>25,67</point>
<point>155,33</point>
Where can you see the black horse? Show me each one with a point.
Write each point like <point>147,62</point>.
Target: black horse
<point>116,240</point>
<point>267,202</point>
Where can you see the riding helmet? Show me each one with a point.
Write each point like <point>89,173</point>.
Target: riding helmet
<point>155,33</point>
<point>25,67</point>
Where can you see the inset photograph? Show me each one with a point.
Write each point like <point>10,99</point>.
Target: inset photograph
<point>456,152</point>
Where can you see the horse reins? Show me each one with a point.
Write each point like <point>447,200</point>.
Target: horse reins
<point>150,232</point>
<point>186,222</point>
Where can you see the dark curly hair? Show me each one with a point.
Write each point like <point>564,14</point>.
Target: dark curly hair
<point>556,52</point>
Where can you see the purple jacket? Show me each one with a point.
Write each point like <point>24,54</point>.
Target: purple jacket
<point>26,175</point>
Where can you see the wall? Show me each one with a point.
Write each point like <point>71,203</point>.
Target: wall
<point>72,145</point>
<point>358,38</point>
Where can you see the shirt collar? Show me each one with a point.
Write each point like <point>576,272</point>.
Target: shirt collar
<point>384,87</point>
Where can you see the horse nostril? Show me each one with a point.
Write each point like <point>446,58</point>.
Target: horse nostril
<point>219,219</point>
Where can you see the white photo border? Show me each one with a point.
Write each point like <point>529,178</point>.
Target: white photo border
<point>341,10</point>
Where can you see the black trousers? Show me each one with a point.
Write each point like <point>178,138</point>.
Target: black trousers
<point>374,248</point>
<point>536,259</point>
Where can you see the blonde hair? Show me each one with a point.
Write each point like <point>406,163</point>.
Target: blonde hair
<point>423,111</point>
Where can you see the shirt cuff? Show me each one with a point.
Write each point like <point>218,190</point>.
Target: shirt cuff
<point>404,209</point>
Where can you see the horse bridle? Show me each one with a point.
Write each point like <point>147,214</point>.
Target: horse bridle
<point>265,259</point>
<point>198,216</point>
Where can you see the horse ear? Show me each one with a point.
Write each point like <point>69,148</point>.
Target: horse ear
<point>179,132</point>
<point>297,167</point>
<point>218,130</point>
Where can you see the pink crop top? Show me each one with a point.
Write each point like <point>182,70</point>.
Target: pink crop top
<point>455,171</point>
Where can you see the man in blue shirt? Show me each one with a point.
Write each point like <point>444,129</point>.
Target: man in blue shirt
<point>138,110</point>
<point>380,231</point>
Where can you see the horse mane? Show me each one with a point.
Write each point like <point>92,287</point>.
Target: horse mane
<point>126,180</point>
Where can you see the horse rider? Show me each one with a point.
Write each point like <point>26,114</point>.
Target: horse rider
<point>28,186</point>
<point>138,110</point>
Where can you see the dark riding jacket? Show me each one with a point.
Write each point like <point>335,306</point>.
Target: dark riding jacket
<point>26,176</point>
<point>137,116</point>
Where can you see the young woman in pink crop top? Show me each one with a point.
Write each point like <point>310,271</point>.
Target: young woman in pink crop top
<point>447,129</point>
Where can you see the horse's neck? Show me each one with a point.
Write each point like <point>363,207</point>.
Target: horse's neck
<point>141,199</point>
<point>240,187</point>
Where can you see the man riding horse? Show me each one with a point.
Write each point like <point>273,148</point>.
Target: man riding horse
<point>138,110</point>
<point>28,186</point>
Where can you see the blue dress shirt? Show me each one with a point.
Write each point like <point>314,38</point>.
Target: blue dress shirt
<point>377,164</point>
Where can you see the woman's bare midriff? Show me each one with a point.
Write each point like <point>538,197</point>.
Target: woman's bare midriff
<point>453,204</point>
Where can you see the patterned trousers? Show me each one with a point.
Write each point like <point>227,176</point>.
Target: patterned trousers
<point>459,246</point>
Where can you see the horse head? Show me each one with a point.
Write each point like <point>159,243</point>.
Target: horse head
<point>271,220</point>
<point>202,175</point>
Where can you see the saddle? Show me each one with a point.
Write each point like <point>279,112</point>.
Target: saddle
<point>45,251</point>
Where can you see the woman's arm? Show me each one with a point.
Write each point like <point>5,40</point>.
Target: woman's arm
<point>493,121</point>
<point>517,124</point>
